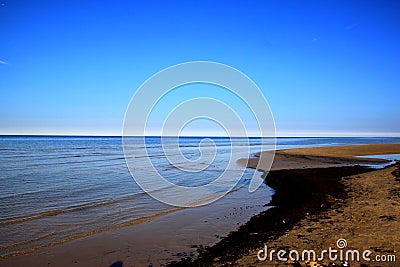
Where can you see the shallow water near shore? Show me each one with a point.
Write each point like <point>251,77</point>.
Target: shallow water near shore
<point>391,158</point>
<point>57,189</point>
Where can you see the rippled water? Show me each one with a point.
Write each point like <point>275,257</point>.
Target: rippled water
<point>56,189</point>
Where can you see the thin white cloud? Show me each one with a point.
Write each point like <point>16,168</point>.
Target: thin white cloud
<point>3,62</point>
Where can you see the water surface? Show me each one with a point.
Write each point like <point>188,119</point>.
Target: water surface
<point>56,189</point>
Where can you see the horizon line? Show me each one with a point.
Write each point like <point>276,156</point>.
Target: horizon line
<point>196,136</point>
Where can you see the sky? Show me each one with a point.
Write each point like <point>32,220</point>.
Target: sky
<point>326,68</point>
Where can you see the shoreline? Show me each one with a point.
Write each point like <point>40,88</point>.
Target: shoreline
<point>156,242</point>
<point>186,233</point>
<point>299,194</point>
<point>295,193</point>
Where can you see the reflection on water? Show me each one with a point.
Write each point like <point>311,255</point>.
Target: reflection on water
<point>391,158</point>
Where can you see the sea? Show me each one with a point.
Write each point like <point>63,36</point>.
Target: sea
<point>56,189</point>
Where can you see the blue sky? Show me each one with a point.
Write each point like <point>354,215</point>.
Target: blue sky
<point>325,67</point>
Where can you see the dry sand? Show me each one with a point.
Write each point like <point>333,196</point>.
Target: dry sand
<point>368,219</point>
<point>315,204</point>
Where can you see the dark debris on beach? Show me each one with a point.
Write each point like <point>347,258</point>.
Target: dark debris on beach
<point>298,193</point>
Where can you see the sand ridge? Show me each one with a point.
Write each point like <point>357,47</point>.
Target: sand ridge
<point>321,157</point>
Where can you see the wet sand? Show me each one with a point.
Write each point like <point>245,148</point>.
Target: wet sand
<point>320,157</point>
<point>313,207</point>
<point>157,241</point>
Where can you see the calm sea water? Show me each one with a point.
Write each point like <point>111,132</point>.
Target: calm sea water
<point>56,189</point>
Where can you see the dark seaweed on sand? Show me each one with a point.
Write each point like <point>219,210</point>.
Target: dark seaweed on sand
<point>298,193</point>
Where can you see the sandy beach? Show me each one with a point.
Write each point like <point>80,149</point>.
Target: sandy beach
<point>199,133</point>
<point>316,203</point>
<point>367,217</point>
<point>321,195</point>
